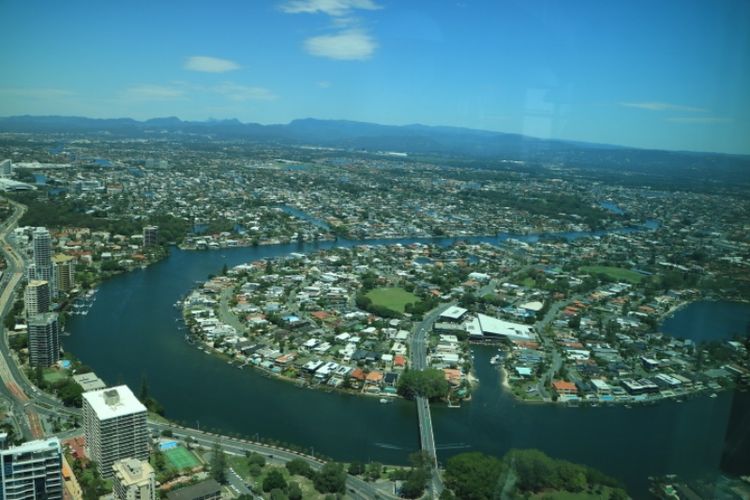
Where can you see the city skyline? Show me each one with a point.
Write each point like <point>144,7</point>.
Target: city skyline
<point>670,77</point>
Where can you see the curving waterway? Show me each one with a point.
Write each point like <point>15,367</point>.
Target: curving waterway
<point>133,330</point>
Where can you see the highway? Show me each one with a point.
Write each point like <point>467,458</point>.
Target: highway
<point>22,409</point>
<point>418,355</point>
<point>28,401</point>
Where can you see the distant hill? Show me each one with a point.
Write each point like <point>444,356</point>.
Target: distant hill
<point>413,139</point>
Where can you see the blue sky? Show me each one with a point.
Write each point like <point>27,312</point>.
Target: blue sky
<point>665,74</point>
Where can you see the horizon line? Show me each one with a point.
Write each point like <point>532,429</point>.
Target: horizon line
<point>413,124</point>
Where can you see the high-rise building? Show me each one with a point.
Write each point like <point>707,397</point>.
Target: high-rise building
<point>133,480</point>
<point>150,236</point>
<point>32,470</point>
<point>36,297</point>
<point>41,268</point>
<point>44,339</point>
<point>114,426</point>
<point>6,168</point>
<point>65,272</point>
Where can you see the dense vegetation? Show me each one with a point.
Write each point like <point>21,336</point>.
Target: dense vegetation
<point>59,212</point>
<point>476,476</point>
<point>429,383</point>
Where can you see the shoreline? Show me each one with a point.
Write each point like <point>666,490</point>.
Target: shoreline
<point>299,383</point>
<point>365,240</point>
<point>631,400</point>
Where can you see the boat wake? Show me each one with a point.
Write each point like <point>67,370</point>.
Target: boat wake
<point>452,446</point>
<point>388,446</point>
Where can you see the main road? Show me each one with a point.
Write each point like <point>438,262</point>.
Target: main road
<point>28,401</point>
<point>418,355</point>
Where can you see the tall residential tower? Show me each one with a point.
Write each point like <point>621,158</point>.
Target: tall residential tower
<point>114,425</point>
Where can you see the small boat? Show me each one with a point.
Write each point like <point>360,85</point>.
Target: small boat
<point>495,360</point>
<point>713,395</point>
<point>384,401</point>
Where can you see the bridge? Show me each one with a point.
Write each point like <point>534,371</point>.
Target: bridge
<point>418,350</point>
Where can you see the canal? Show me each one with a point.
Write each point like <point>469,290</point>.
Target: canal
<point>133,330</point>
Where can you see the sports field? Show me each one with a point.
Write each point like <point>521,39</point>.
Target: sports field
<point>394,298</point>
<point>616,273</point>
<point>180,458</point>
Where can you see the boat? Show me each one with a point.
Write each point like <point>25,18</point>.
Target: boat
<point>384,401</point>
<point>713,395</point>
<point>495,360</point>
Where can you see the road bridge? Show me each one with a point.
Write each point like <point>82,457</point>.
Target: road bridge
<point>418,354</point>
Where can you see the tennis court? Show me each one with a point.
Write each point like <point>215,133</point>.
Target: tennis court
<point>180,458</point>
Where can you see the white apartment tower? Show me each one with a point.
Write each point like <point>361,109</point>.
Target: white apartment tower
<point>41,267</point>
<point>44,339</point>
<point>114,426</point>
<point>32,470</point>
<point>36,297</point>
<point>133,480</point>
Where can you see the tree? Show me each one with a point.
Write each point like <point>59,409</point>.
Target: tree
<point>298,467</point>
<point>415,483</point>
<point>274,480</point>
<point>293,491</point>
<point>356,468</point>
<point>374,470</point>
<point>69,392</point>
<point>473,475</point>
<point>160,464</point>
<point>331,478</point>
<point>39,376</point>
<point>218,464</point>
<point>429,383</point>
<point>256,458</point>
<point>255,470</point>
<point>278,494</point>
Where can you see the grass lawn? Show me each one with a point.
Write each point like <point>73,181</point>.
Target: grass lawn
<point>181,458</point>
<point>52,375</point>
<point>394,298</point>
<point>616,273</point>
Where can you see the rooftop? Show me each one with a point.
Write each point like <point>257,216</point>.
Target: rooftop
<point>89,381</point>
<point>132,471</point>
<point>35,446</point>
<point>115,402</point>
<point>453,312</point>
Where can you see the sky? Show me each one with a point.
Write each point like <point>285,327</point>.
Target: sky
<point>671,74</point>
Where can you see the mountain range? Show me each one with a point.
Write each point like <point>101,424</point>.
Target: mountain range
<point>415,139</point>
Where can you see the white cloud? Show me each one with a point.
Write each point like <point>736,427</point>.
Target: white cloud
<point>330,7</point>
<point>698,119</point>
<point>324,84</point>
<point>36,93</point>
<point>237,92</point>
<point>207,64</point>
<point>662,106</point>
<point>346,45</point>
<point>153,93</point>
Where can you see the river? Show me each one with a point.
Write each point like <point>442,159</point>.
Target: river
<point>132,330</point>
